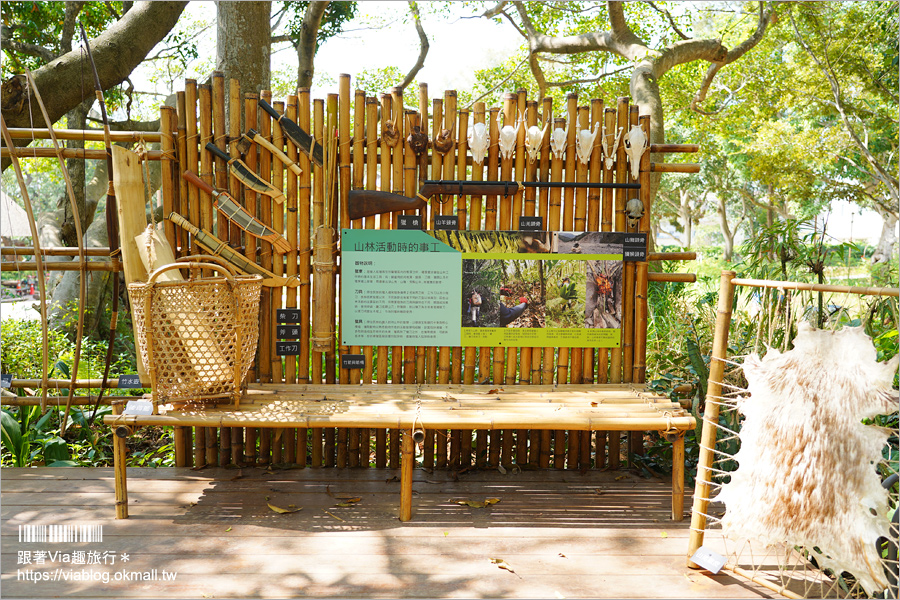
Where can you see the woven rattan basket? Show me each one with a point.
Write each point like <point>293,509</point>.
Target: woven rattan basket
<point>197,337</point>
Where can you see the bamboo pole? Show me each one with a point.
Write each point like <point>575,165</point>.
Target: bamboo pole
<point>629,268</point>
<point>332,222</point>
<point>120,474</point>
<point>75,265</point>
<point>640,308</point>
<point>86,135</point>
<point>345,177</point>
<point>359,130</point>
<point>406,475</point>
<point>220,139</point>
<point>660,148</point>
<point>266,316</point>
<point>506,164</point>
<point>321,252</point>
<point>520,159</point>
<point>703,480</point>
<point>84,154</point>
<point>192,155</point>
<point>206,163</point>
<point>660,256</point>
<point>167,123</point>
<point>621,176</point>
<point>298,224</point>
<point>568,218</point>
<point>278,180</point>
<point>816,287</point>
<point>234,135</point>
<point>371,107</point>
<point>39,264</point>
<point>251,159</point>
<point>181,201</point>
<point>674,168</point>
<point>544,168</point>
<point>29,251</point>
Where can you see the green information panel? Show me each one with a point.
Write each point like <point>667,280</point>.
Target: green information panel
<point>481,288</point>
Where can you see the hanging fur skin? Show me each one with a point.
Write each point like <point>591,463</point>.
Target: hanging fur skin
<point>806,475</point>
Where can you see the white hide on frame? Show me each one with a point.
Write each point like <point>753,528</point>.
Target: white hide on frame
<point>806,474</point>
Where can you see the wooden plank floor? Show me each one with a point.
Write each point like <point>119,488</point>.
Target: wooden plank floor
<point>565,534</point>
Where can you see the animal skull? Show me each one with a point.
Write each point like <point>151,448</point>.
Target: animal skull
<point>558,142</point>
<point>443,143</point>
<point>634,210</point>
<point>508,135</point>
<point>479,140</point>
<point>533,137</point>
<point>609,148</point>
<point>417,139</point>
<point>635,146</point>
<point>390,134</point>
<point>584,143</point>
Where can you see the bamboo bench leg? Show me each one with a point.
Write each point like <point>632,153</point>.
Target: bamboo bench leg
<point>678,477</point>
<point>121,484</point>
<point>407,462</point>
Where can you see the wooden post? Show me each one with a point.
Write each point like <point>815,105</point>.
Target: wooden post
<point>407,463</point>
<point>119,458</point>
<point>192,157</point>
<point>711,415</point>
<point>678,477</point>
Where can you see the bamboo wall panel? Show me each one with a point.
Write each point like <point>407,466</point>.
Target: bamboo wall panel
<point>367,139</point>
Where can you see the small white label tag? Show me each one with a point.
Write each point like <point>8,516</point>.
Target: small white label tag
<point>708,559</point>
<point>138,407</point>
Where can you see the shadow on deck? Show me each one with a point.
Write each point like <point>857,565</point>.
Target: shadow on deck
<point>565,534</point>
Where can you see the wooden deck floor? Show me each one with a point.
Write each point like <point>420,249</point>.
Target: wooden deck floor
<point>566,535</point>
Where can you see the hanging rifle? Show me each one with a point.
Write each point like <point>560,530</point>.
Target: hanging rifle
<point>217,247</point>
<point>366,203</point>
<point>301,139</point>
<point>252,135</point>
<point>246,176</point>
<point>239,215</point>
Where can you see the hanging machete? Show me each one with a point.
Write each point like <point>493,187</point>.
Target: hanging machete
<point>239,215</point>
<point>252,135</point>
<point>246,176</point>
<point>300,138</point>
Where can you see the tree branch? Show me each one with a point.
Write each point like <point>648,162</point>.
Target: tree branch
<point>668,15</point>
<point>68,28</point>
<point>306,45</point>
<point>29,49</point>
<point>495,10</point>
<point>589,80</point>
<point>423,45</point>
<point>505,79</point>
<point>765,17</point>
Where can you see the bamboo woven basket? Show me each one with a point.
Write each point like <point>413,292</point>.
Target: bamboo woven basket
<point>197,337</point>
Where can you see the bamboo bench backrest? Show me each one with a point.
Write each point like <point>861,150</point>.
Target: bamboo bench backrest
<point>372,152</point>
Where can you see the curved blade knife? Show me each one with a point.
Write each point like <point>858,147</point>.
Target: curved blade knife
<point>252,135</point>
<point>300,138</point>
<point>239,215</point>
<point>246,176</point>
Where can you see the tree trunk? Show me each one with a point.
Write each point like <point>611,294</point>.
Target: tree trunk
<point>306,45</point>
<point>243,44</point>
<point>727,233</point>
<point>885,248</point>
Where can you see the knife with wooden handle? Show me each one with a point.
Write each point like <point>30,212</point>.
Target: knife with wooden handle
<point>252,135</point>
<point>293,132</point>
<point>239,215</point>
<point>246,176</point>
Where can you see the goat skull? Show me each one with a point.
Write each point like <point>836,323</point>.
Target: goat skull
<point>508,135</point>
<point>609,147</point>
<point>558,142</point>
<point>533,138</point>
<point>635,146</point>
<point>584,143</point>
<point>479,139</point>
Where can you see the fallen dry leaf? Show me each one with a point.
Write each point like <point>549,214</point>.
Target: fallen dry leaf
<point>479,504</point>
<point>333,516</point>
<point>593,404</point>
<point>663,534</point>
<point>621,477</point>
<point>562,555</point>
<point>502,564</point>
<point>281,511</point>
<point>502,469</point>
<point>494,391</point>
<point>349,499</point>
<point>227,530</point>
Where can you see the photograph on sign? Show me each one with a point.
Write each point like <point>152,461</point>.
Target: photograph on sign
<point>475,288</point>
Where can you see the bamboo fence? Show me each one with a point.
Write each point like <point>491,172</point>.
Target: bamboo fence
<point>367,142</point>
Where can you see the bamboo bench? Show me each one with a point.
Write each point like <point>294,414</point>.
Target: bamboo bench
<point>411,409</point>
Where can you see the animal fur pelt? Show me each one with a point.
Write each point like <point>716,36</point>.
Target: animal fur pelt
<point>806,474</point>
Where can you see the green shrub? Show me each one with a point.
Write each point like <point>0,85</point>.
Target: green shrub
<point>21,350</point>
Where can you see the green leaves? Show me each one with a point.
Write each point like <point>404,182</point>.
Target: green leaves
<point>12,438</point>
